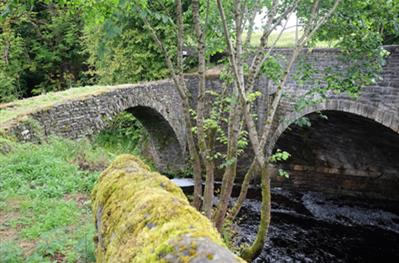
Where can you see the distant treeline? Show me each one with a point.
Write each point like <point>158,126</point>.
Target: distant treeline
<point>51,45</point>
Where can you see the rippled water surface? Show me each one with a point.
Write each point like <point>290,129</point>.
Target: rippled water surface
<point>312,227</point>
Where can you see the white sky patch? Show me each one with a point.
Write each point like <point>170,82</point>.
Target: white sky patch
<point>260,20</point>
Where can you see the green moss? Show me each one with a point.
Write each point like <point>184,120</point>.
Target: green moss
<point>7,145</point>
<point>143,214</point>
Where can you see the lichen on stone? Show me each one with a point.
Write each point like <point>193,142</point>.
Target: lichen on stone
<point>141,216</point>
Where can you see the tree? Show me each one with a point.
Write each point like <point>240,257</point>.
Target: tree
<point>218,27</point>
<point>221,24</point>
<point>120,49</point>
<point>240,111</point>
<point>376,22</point>
<point>41,47</point>
<point>52,45</point>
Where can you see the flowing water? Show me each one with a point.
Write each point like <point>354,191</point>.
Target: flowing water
<point>314,227</point>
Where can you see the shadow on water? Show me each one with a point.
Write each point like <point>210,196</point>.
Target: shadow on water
<point>313,227</point>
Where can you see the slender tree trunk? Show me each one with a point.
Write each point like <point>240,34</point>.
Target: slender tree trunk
<point>265,216</point>
<point>243,192</point>
<point>235,121</point>
<point>203,146</point>
<point>183,93</point>
<point>186,106</point>
<point>258,143</point>
<point>240,111</point>
<point>231,164</point>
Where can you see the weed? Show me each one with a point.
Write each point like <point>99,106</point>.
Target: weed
<point>44,191</point>
<point>40,183</point>
<point>46,170</point>
<point>10,252</point>
<point>122,135</point>
<point>46,215</point>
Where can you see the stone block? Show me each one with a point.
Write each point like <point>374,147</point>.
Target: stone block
<point>142,216</point>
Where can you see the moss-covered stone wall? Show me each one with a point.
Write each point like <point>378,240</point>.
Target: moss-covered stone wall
<point>141,216</point>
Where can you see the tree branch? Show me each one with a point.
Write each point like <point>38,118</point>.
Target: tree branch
<point>183,92</point>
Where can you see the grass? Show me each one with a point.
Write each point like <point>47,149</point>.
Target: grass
<point>287,40</point>
<point>45,209</point>
<point>44,201</point>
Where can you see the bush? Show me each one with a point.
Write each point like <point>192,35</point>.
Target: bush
<point>122,135</point>
<point>41,48</point>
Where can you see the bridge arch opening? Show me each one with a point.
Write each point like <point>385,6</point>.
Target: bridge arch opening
<point>345,153</point>
<point>163,147</point>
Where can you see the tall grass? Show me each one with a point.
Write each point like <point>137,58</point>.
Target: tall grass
<point>44,200</point>
<point>45,213</point>
<point>124,134</point>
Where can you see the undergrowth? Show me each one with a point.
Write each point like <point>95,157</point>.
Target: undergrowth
<point>44,201</point>
<point>124,133</point>
<point>45,210</point>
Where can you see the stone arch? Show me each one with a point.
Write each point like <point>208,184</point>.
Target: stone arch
<point>164,147</point>
<point>158,107</point>
<point>354,152</point>
<point>386,118</point>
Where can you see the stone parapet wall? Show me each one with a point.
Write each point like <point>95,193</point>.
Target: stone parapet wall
<point>141,216</point>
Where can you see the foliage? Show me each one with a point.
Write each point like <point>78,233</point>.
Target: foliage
<point>359,29</point>
<point>12,64</point>
<point>122,135</point>
<point>43,196</point>
<point>279,156</point>
<point>120,50</point>
<point>122,59</point>
<point>373,22</point>
<point>42,49</point>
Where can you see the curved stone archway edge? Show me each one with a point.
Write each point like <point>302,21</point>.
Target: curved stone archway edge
<point>142,216</point>
<point>386,118</point>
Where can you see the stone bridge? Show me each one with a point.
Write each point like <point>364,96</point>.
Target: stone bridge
<point>355,150</point>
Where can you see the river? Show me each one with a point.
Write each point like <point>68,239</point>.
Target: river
<point>315,227</point>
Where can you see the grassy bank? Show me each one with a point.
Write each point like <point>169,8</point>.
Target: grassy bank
<point>45,210</point>
<point>44,200</point>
